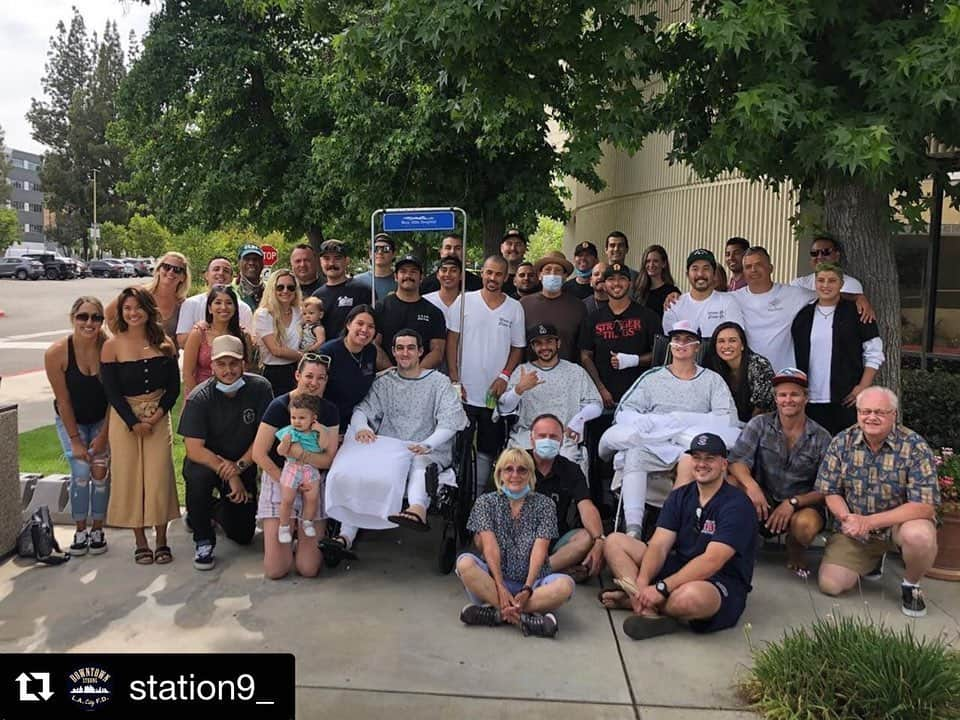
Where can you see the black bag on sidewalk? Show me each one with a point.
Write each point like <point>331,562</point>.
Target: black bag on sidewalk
<point>36,539</point>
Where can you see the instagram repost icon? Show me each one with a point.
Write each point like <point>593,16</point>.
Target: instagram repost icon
<point>90,687</point>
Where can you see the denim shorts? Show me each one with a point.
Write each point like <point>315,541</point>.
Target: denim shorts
<point>512,585</point>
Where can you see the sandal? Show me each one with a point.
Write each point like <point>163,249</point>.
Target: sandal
<point>162,555</point>
<point>410,520</point>
<point>143,556</point>
<point>336,548</point>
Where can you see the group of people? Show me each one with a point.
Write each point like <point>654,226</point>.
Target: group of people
<point>589,390</point>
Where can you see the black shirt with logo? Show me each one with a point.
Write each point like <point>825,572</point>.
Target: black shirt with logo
<point>338,301</point>
<point>578,290</point>
<point>227,425</point>
<point>394,314</point>
<point>632,331</point>
<point>565,485</point>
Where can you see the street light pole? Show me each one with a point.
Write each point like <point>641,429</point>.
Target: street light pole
<point>94,231</point>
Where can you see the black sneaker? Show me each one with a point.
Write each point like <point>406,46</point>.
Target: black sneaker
<point>913,603</point>
<point>877,572</point>
<point>641,627</point>
<point>539,625</point>
<point>480,615</point>
<point>203,558</point>
<point>81,542</point>
<point>98,542</point>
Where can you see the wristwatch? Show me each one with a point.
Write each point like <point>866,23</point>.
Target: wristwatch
<point>242,464</point>
<point>794,502</point>
<point>661,587</point>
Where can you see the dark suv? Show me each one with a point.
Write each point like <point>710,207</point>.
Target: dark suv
<point>20,268</point>
<point>55,267</point>
<point>104,268</point>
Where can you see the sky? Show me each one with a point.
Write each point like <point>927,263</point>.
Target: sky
<point>25,31</point>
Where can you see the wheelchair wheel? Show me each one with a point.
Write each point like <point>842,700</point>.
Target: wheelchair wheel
<point>448,550</point>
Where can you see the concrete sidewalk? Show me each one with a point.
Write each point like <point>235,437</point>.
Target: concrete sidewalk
<point>381,638</point>
<point>31,392</point>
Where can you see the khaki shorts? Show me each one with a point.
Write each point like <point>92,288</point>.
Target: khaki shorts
<point>860,557</point>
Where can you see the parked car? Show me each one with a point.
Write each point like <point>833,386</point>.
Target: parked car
<point>105,269</point>
<point>82,269</point>
<point>20,268</point>
<point>55,267</point>
<point>149,264</point>
<point>139,267</point>
<point>126,268</point>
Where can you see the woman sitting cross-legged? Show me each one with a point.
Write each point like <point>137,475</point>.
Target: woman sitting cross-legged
<point>512,582</point>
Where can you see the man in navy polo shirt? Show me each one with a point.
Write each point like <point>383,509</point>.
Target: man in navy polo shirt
<point>699,563</point>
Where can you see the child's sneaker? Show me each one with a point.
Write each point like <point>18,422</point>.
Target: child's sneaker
<point>308,529</point>
<point>81,541</point>
<point>203,559</point>
<point>285,536</point>
<point>98,542</point>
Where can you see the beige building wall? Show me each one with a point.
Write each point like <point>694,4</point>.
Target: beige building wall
<point>653,202</point>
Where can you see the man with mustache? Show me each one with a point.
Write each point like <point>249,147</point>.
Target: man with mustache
<point>338,293</point>
<point>405,308</point>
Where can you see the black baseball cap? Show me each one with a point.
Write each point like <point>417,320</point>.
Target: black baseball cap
<point>708,443</point>
<point>585,247</point>
<point>514,233</point>
<point>383,237</point>
<point>450,260</point>
<point>701,254</point>
<point>541,330</point>
<point>616,269</point>
<point>333,246</point>
<point>408,260</point>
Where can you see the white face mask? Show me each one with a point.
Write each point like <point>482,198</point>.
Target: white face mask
<point>552,283</point>
<point>232,387</point>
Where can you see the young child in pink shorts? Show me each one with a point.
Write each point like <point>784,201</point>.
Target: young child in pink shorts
<point>297,476</point>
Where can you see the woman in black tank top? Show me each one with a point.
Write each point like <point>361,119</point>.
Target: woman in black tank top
<point>73,369</point>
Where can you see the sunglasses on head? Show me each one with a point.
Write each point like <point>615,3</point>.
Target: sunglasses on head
<point>284,286</point>
<point>317,358</point>
<point>822,252</point>
<point>86,317</point>
<point>175,269</point>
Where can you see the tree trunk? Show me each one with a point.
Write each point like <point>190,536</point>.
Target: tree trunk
<point>494,225</point>
<point>315,236</point>
<point>858,216</point>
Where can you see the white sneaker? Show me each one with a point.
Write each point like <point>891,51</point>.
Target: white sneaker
<point>81,542</point>
<point>285,536</point>
<point>308,529</point>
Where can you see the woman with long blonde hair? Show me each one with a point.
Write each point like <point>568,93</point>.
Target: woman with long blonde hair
<point>276,325</point>
<point>142,381</point>
<point>169,287</point>
<point>80,404</point>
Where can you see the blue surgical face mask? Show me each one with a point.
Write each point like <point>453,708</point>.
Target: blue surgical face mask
<point>232,387</point>
<point>547,448</point>
<point>552,283</point>
<point>519,495</point>
<point>583,273</point>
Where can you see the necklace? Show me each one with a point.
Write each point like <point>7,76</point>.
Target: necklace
<point>827,315</point>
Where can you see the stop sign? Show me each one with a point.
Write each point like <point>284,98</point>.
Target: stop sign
<point>269,255</point>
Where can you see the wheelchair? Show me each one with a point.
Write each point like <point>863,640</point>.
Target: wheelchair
<point>453,503</point>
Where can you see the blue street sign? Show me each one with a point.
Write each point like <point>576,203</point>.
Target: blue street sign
<point>419,221</point>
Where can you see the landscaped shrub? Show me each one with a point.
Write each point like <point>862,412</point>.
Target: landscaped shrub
<point>854,669</point>
<point>931,405</point>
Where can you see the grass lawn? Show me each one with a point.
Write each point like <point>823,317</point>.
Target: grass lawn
<point>40,451</point>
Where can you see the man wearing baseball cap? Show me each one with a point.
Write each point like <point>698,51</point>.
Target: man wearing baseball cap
<point>219,423</point>
<point>339,294</point>
<point>513,247</point>
<point>698,566</point>
<point>407,309</point>
<point>584,258</point>
<point>382,278</point>
<point>550,385</point>
<point>552,306</point>
<point>249,282</point>
<point>451,246</point>
<point>703,307</point>
<point>775,460</point>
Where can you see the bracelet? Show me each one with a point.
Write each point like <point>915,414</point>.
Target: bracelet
<point>504,377</point>
<point>527,588</point>
<point>75,437</point>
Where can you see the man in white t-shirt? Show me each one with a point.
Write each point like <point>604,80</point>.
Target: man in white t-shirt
<point>826,249</point>
<point>493,340</point>
<point>703,307</point>
<point>194,309</point>
<point>449,276</point>
<point>768,309</point>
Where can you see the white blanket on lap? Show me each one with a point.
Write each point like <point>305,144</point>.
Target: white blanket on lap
<point>366,482</point>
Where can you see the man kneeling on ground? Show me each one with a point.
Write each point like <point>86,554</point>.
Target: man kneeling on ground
<point>578,551</point>
<point>698,565</point>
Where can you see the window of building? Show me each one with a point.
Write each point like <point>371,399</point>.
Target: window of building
<point>36,207</point>
<point>911,253</point>
<point>18,184</point>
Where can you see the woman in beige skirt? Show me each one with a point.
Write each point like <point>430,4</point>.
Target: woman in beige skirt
<point>142,382</point>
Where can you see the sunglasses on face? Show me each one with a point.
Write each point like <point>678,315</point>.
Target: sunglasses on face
<point>175,269</point>
<point>87,317</point>
<point>289,288</point>
<point>382,249</point>
<point>318,358</point>
<point>822,252</point>
<point>516,470</point>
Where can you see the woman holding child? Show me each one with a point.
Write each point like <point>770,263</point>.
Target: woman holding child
<point>313,416</point>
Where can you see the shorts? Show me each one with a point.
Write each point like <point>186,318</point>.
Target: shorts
<point>860,557</point>
<point>511,585</point>
<point>733,599</point>
<point>767,534</point>
<point>268,502</point>
<point>295,473</point>
<point>563,540</point>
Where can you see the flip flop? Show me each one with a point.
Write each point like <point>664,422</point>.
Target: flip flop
<point>409,520</point>
<point>642,627</point>
<point>337,548</point>
<point>162,555</point>
<point>143,556</point>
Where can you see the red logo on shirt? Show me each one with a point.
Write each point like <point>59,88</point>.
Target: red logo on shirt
<point>616,329</point>
<point>709,527</point>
